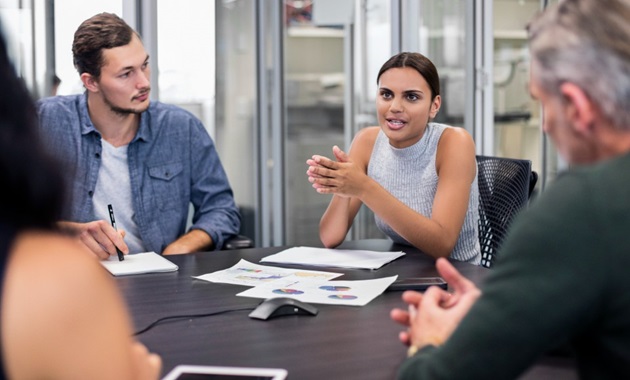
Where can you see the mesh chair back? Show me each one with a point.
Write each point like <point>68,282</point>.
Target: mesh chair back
<point>504,188</point>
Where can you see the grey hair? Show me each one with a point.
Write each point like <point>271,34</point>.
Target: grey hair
<point>587,43</point>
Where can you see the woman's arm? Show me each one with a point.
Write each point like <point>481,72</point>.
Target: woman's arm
<point>63,317</point>
<point>341,211</point>
<point>337,220</point>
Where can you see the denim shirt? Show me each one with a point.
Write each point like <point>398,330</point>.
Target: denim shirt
<point>172,162</point>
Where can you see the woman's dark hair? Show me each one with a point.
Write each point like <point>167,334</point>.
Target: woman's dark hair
<point>418,62</point>
<point>102,31</point>
<point>33,189</point>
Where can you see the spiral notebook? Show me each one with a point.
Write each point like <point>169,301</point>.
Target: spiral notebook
<point>139,263</point>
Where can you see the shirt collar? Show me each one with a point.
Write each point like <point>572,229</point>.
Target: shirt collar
<point>144,131</point>
<point>84,117</point>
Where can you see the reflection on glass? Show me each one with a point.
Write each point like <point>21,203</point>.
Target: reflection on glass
<point>377,45</point>
<point>16,30</point>
<point>516,115</point>
<point>372,50</point>
<point>315,80</point>
<point>235,128</point>
<point>186,73</point>
<point>441,26</point>
<point>553,162</point>
<point>314,98</point>
<point>69,14</point>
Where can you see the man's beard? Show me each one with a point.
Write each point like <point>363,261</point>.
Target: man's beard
<point>123,111</point>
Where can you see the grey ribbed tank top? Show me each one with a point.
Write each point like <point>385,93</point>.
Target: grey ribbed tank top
<point>409,175</point>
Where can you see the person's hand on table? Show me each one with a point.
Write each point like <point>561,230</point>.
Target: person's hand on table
<point>433,316</point>
<point>99,236</point>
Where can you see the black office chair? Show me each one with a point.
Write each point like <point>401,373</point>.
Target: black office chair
<point>505,185</point>
<point>242,240</point>
<point>238,242</point>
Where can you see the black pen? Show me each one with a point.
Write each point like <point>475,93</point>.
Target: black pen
<point>121,257</point>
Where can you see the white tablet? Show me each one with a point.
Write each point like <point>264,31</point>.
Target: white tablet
<point>201,372</point>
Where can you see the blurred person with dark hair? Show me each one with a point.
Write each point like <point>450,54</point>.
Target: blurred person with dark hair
<point>52,326</point>
<point>561,279</point>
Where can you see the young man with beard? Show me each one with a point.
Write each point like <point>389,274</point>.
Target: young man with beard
<point>149,160</point>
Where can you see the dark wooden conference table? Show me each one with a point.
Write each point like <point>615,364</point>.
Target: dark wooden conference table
<point>341,342</point>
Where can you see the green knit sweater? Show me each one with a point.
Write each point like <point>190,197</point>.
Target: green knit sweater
<point>562,276</point>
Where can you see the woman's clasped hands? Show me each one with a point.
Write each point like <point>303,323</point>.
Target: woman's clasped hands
<point>342,177</point>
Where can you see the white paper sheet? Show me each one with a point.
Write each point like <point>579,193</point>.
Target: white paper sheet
<point>353,293</point>
<point>138,263</point>
<point>342,258</point>
<point>249,274</point>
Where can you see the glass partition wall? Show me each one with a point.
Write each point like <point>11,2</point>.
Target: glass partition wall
<point>315,83</point>
<point>292,78</point>
<point>517,118</point>
<point>330,54</point>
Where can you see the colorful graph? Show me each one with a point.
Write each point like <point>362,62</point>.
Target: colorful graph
<point>333,288</point>
<point>255,278</point>
<point>287,291</point>
<point>249,270</point>
<point>311,275</point>
<point>342,297</point>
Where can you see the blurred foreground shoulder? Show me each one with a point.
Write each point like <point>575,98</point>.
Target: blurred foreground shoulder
<point>52,256</point>
<point>61,307</point>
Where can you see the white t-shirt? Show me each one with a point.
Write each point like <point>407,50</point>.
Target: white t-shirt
<point>113,187</point>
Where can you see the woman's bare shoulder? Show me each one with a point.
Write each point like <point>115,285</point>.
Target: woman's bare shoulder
<point>457,135</point>
<point>456,148</point>
<point>454,140</point>
<point>363,144</point>
<point>367,134</point>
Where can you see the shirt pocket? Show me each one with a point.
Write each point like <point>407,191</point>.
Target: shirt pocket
<point>167,184</point>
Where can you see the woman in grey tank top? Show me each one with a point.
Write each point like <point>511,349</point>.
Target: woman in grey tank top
<point>418,177</point>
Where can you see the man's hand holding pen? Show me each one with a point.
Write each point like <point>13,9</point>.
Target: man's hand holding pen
<point>99,236</point>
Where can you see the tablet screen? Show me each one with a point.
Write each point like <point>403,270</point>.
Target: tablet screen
<point>208,376</point>
<point>190,372</point>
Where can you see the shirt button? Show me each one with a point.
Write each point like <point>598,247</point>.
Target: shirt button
<point>90,193</point>
<point>97,155</point>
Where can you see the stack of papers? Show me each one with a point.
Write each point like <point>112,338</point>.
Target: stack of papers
<point>306,285</point>
<point>342,258</point>
<point>248,274</point>
<point>138,263</point>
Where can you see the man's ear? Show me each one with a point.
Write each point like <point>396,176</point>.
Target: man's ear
<point>89,82</point>
<point>580,110</point>
<point>435,106</point>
